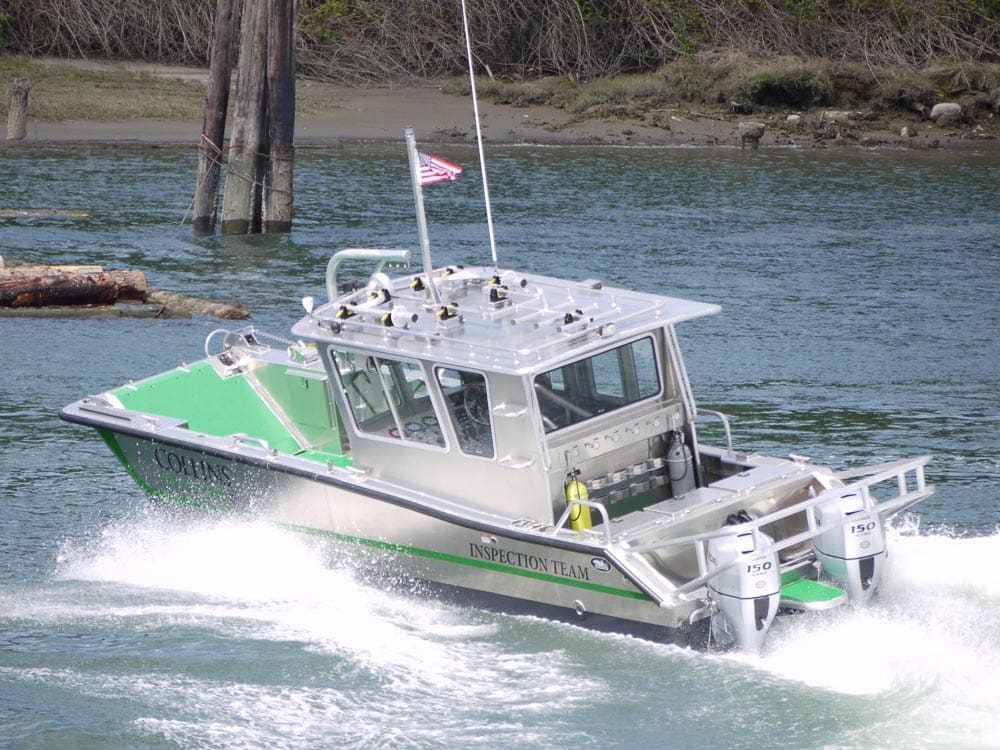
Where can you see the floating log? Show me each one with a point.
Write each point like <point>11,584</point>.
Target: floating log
<point>42,213</point>
<point>90,312</point>
<point>31,290</point>
<point>181,302</point>
<point>17,116</point>
<point>40,286</point>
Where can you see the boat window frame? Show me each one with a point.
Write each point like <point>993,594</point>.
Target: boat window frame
<point>403,435</point>
<point>456,427</point>
<point>573,375</point>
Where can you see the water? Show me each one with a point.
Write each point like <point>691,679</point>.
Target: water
<point>861,298</point>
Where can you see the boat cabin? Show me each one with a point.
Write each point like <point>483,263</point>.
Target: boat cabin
<point>495,389</point>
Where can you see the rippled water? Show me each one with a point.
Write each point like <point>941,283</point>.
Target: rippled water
<point>861,297</point>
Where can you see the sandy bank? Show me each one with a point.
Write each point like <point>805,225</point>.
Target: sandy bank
<point>330,114</point>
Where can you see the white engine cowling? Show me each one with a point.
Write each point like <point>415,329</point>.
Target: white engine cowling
<point>746,593</point>
<point>853,550</point>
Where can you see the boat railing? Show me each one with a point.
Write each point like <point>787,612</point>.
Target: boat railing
<point>599,507</point>
<point>382,255</point>
<point>521,344</point>
<point>212,335</point>
<point>725,425</point>
<point>911,485</point>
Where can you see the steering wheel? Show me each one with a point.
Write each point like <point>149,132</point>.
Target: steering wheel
<point>475,402</point>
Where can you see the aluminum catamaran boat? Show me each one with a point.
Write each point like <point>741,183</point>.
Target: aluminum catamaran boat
<point>523,442</point>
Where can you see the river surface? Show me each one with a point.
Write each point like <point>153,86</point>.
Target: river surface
<point>861,322</point>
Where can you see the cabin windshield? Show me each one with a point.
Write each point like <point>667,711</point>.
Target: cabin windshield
<point>598,384</point>
<point>389,398</point>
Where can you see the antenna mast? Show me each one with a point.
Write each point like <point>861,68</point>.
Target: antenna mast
<point>418,197</point>
<point>479,137</point>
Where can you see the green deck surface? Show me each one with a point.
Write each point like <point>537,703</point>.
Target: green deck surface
<point>796,588</point>
<point>209,404</point>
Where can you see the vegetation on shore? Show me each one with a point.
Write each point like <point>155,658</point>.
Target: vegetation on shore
<point>743,86</point>
<point>594,58</point>
<point>382,40</point>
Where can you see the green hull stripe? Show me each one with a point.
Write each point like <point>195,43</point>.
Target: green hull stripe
<point>458,560</point>
<point>112,442</point>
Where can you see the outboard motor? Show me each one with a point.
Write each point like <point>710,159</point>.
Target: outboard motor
<point>851,551</point>
<point>680,465</point>
<point>747,594</point>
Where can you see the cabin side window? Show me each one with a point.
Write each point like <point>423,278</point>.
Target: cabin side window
<point>598,384</point>
<point>389,398</point>
<point>469,407</point>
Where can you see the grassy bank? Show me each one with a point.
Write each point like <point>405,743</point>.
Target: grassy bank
<point>75,92</point>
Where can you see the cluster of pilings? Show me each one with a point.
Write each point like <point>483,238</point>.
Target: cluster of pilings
<point>259,168</point>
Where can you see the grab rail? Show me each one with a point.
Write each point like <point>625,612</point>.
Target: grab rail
<point>242,438</point>
<point>212,335</point>
<point>725,425</point>
<point>602,511</point>
<point>383,256</point>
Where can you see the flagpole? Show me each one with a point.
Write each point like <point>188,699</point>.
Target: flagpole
<point>479,136</point>
<point>418,197</point>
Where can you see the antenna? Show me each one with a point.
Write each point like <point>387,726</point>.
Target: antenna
<point>479,136</point>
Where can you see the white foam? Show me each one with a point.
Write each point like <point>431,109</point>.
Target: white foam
<point>929,646</point>
<point>240,561</point>
<point>256,581</point>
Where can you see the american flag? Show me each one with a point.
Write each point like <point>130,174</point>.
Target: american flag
<point>435,169</point>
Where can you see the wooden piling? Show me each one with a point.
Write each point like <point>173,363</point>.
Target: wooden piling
<point>206,198</point>
<point>277,205</point>
<point>17,116</point>
<point>242,200</point>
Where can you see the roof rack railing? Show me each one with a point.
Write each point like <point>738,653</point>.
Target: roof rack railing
<point>382,255</point>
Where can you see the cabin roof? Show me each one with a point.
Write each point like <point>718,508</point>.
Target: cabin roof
<point>503,321</point>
